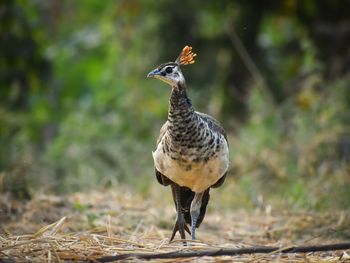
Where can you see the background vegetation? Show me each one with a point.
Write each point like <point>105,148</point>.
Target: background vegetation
<point>77,112</point>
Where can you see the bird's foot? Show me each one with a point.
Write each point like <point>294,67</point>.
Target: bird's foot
<point>195,212</point>
<point>180,225</point>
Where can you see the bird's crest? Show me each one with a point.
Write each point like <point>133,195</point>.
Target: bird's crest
<point>186,56</point>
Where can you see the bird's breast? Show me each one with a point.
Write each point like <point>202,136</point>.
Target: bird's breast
<point>196,167</point>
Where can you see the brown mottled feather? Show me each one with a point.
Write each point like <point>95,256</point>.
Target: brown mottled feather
<point>162,132</point>
<point>213,123</point>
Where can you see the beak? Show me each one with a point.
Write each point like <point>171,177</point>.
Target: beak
<point>153,73</point>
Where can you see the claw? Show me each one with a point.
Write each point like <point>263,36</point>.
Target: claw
<point>177,228</point>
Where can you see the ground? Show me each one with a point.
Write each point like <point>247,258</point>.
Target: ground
<point>86,226</point>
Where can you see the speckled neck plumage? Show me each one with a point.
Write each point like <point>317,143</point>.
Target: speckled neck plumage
<point>181,115</point>
<point>179,102</point>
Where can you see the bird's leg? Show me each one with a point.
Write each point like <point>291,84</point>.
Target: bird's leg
<point>195,211</point>
<point>180,224</point>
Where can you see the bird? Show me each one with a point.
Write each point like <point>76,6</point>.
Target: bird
<point>192,151</point>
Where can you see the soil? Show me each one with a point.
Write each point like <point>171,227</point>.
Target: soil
<point>87,226</point>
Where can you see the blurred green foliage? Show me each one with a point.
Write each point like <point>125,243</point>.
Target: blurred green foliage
<point>76,111</point>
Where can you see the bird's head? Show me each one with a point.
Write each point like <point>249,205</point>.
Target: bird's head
<point>170,72</point>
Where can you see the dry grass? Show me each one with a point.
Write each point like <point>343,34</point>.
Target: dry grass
<point>86,226</point>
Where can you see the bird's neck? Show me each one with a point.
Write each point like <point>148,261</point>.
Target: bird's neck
<point>181,111</point>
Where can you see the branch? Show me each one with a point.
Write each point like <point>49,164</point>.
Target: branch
<point>227,252</point>
<point>246,58</point>
<point>248,61</point>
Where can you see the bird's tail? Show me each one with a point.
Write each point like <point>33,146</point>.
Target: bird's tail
<point>186,198</point>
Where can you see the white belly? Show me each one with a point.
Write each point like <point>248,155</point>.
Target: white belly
<point>198,176</point>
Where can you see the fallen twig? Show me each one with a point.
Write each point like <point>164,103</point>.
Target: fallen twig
<point>54,228</point>
<point>227,252</point>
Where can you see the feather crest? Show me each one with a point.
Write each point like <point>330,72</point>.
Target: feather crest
<point>186,56</point>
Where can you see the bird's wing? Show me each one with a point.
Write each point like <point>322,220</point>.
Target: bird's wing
<point>163,180</point>
<point>162,132</point>
<point>220,181</point>
<point>213,124</point>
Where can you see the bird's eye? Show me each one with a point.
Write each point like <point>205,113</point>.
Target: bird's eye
<point>169,70</point>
